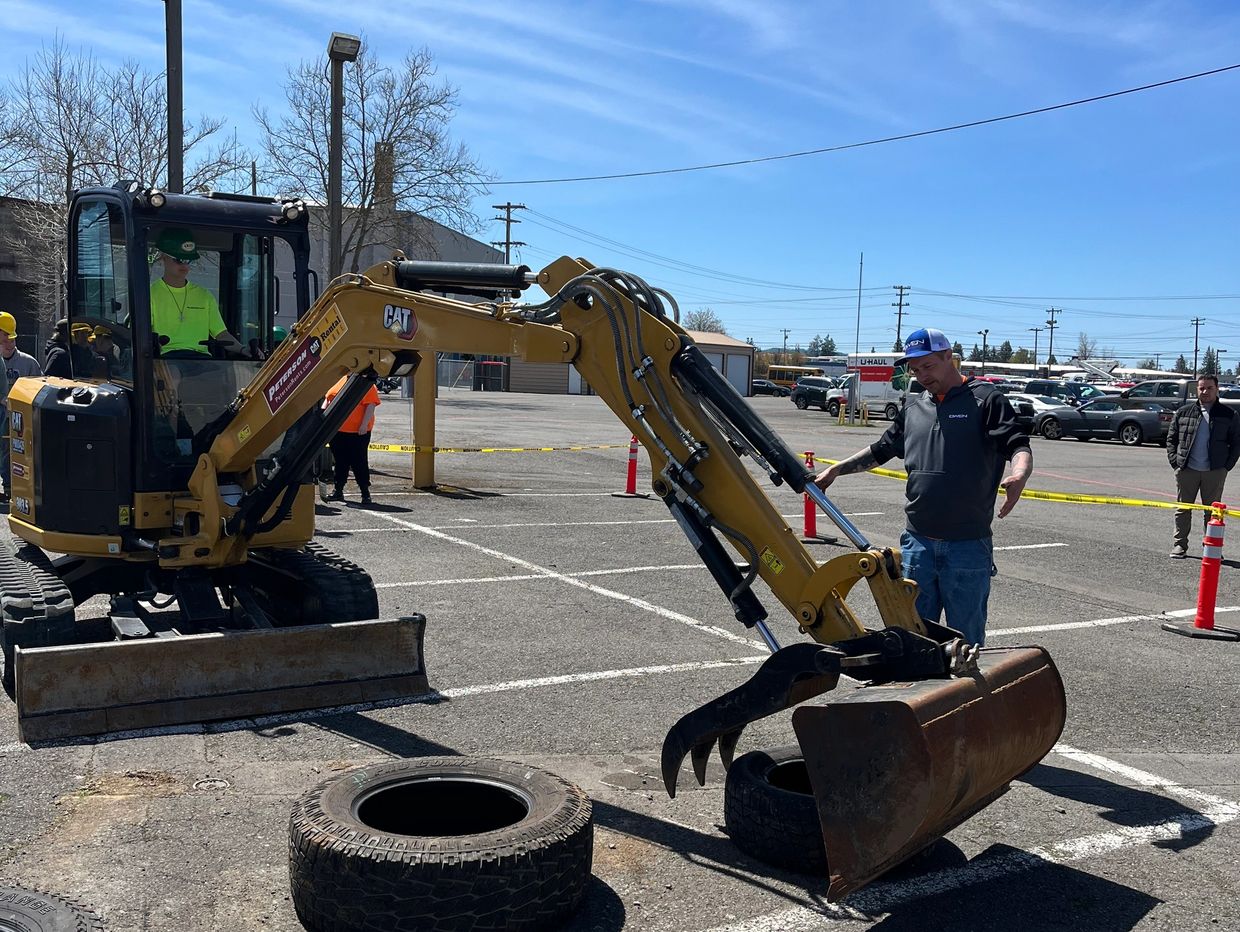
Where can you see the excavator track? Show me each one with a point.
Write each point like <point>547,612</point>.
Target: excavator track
<point>311,586</point>
<point>36,607</point>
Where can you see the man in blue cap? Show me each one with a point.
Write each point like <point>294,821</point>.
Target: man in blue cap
<point>954,439</point>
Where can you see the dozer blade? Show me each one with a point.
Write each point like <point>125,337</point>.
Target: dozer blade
<point>94,689</point>
<point>895,766</point>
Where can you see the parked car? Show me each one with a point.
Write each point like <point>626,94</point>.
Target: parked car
<point>767,387</point>
<point>1170,393</point>
<point>1106,419</point>
<point>1070,393</point>
<point>815,390</point>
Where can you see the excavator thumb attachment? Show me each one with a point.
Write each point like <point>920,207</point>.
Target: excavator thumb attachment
<point>93,689</point>
<point>895,766</point>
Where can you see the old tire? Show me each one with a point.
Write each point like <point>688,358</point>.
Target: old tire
<point>1130,434</point>
<point>770,813</point>
<point>833,408</point>
<point>440,844</point>
<point>800,402</point>
<point>23,910</point>
<point>1052,429</point>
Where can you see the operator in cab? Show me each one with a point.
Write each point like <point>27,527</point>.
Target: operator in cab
<point>186,314</point>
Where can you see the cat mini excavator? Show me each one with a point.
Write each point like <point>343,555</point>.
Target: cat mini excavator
<point>178,486</point>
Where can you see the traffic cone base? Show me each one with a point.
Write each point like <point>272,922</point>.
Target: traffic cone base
<point>1190,630</point>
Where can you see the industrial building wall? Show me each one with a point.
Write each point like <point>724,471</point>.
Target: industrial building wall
<point>544,378</point>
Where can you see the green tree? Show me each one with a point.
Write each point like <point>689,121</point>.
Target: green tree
<point>815,346</point>
<point>975,354</point>
<point>958,349</point>
<point>1209,365</point>
<point>1181,365</point>
<point>1004,353</point>
<point>897,347</point>
<point>1147,363</point>
<point>827,348</point>
<point>1021,355</point>
<point>1051,360</point>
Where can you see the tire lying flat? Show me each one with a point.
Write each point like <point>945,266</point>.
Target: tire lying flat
<point>440,845</point>
<point>35,911</point>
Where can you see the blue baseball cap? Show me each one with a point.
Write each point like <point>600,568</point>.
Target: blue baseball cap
<point>922,343</point>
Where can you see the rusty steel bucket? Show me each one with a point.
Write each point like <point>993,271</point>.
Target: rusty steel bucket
<point>895,766</point>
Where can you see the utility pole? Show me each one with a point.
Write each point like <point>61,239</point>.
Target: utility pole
<point>899,306</point>
<point>508,242</point>
<point>1051,325</point>
<point>785,333</point>
<point>176,105</point>
<point>1035,331</point>
<point>1196,322</point>
<point>983,334</point>
<point>1158,360</point>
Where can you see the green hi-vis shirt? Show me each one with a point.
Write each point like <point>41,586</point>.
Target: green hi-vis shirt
<point>186,316</point>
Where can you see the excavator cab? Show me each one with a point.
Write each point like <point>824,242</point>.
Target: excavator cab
<point>181,379</point>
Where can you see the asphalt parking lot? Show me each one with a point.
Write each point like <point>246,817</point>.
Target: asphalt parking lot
<point>568,629</point>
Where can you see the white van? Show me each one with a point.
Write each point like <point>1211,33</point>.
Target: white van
<point>878,382</point>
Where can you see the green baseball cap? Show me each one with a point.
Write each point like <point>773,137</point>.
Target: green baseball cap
<point>178,243</point>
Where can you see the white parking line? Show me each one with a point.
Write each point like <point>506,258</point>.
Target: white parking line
<point>1029,546</point>
<point>880,898</point>
<point>487,579</point>
<point>1105,622</point>
<point>589,587</point>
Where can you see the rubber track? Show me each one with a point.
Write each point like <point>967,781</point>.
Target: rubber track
<point>36,607</point>
<point>66,910</point>
<point>345,591</point>
<point>344,880</point>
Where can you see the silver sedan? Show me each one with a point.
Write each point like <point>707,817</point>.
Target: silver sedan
<point>1105,419</point>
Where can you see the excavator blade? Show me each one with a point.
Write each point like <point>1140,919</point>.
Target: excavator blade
<point>94,689</point>
<point>895,766</point>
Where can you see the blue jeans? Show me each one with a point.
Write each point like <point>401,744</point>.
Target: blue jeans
<point>951,575</point>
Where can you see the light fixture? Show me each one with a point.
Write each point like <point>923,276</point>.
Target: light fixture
<point>343,47</point>
<point>156,198</point>
<point>293,209</point>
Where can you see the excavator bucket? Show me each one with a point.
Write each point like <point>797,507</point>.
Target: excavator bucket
<point>895,766</point>
<point>93,689</point>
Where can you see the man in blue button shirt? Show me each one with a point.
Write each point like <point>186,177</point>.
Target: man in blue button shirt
<point>1203,444</point>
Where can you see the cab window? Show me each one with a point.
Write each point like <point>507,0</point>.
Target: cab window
<point>1142,391</point>
<point>101,294</point>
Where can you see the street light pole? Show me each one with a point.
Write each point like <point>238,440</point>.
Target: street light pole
<point>340,49</point>
<point>983,334</point>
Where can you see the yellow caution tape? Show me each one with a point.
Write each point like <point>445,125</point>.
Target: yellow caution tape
<point>415,448</point>
<point>1071,497</point>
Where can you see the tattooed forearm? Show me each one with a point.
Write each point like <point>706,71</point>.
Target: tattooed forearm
<point>858,462</point>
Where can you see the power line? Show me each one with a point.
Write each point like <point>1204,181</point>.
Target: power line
<point>871,142</point>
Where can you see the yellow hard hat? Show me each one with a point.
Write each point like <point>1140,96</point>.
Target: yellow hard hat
<point>99,331</point>
<point>80,328</point>
<point>8,323</point>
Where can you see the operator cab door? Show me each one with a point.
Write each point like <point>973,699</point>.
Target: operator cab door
<point>192,387</point>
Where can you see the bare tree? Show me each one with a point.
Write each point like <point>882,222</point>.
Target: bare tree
<point>67,122</point>
<point>398,155</point>
<point>705,320</point>
<point>1085,347</point>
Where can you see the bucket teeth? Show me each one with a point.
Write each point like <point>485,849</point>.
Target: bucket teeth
<point>789,676</point>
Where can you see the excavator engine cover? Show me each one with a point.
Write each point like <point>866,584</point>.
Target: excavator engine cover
<point>897,765</point>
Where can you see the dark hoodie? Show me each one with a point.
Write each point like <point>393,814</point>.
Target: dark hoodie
<point>56,360</point>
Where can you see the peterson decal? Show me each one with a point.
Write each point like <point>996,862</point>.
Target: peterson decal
<point>305,357</point>
<point>400,321</point>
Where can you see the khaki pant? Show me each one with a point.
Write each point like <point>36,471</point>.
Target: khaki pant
<point>1190,484</point>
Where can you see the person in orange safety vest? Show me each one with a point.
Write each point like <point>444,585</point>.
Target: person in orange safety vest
<point>350,445</point>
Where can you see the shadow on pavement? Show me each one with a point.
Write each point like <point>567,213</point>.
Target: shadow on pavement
<point>1057,898</point>
<point>1122,805</point>
<point>602,910</point>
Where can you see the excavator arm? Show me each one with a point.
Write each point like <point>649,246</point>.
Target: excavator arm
<point>939,729</point>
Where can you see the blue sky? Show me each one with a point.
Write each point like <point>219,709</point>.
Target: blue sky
<point>1105,210</point>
